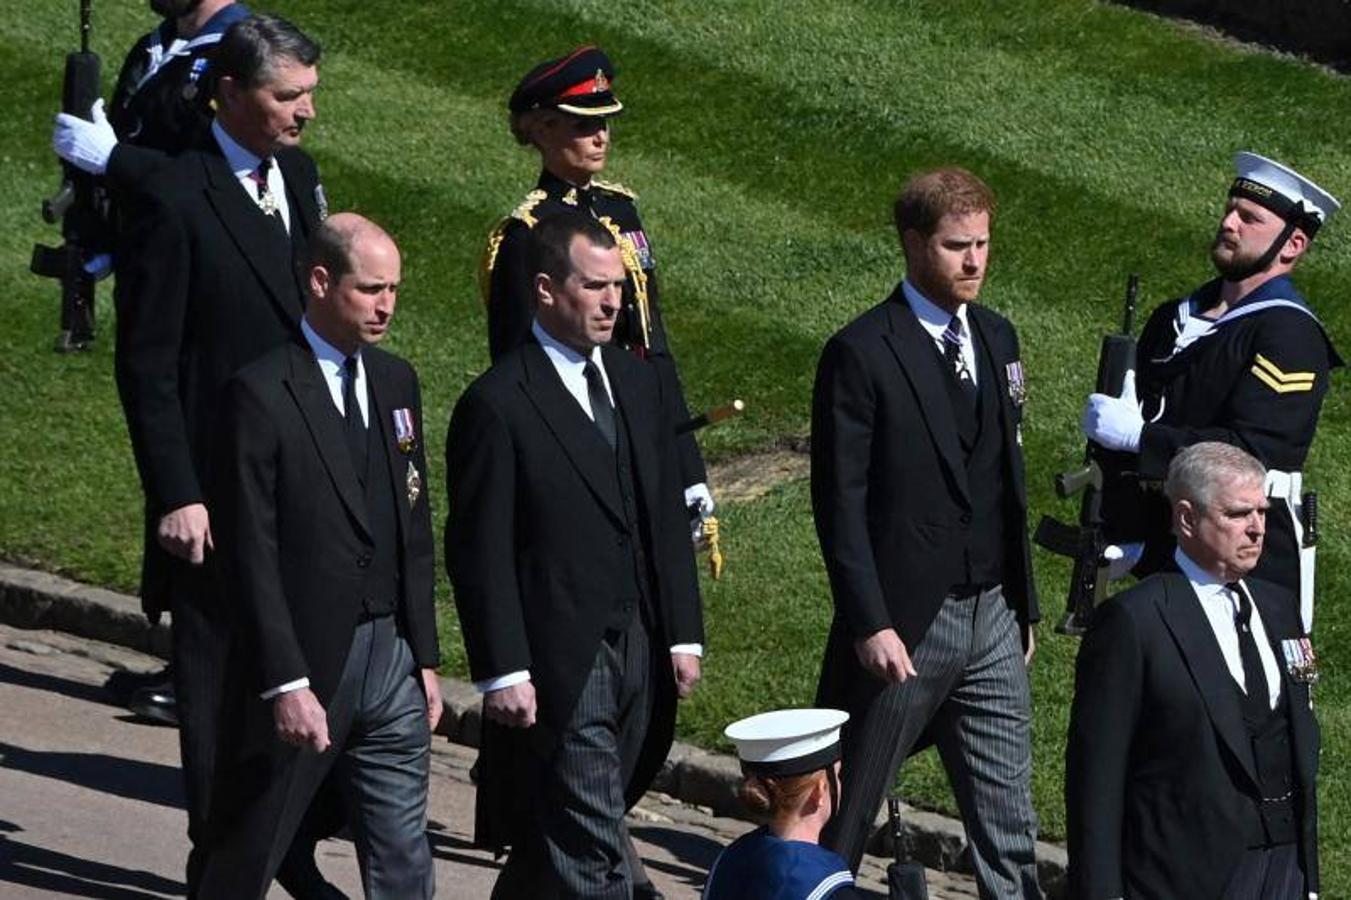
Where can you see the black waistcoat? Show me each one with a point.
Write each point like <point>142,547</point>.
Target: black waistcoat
<point>981,436</point>
<point>628,605</point>
<point>380,590</point>
<point>1274,815</point>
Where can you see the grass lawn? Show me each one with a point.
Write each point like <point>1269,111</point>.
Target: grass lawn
<point>767,140</point>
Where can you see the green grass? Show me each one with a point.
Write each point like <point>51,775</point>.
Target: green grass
<point>767,140</point>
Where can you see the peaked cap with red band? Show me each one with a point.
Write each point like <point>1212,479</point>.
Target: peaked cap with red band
<point>578,83</point>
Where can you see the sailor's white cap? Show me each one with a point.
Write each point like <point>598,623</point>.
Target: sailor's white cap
<point>1282,190</point>
<point>788,741</point>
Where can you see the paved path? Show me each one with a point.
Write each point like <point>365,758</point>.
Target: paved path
<point>91,802</point>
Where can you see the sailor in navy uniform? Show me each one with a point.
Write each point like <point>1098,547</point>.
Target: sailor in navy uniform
<point>791,760</point>
<point>562,107</point>
<point>162,102</point>
<point>1243,360</point>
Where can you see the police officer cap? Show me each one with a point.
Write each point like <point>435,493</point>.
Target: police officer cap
<point>788,741</point>
<point>578,83</point>
<point>1283,191</point>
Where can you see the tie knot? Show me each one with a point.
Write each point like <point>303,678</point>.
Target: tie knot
<point>1244,613</point>
<point>349,366</point>
<point>953,333</point>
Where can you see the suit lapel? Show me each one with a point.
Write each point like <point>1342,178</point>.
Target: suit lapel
<point>270,258</point>
<point>311,394</point>
<point>999,391</point>
<point>1201,652</point>
<point>915,353</point>
<point>303,203</point>
<point>632,409</point>
<point>582,442</point>
<point>378,380</point>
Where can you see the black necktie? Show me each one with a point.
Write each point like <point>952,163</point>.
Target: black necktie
<point>952,352</point>
<point>601,409</point>
<point>1256,702</point>
<point>356,428</point>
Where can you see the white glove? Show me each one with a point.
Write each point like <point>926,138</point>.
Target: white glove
<point>1114,422</point>
<point>1121,559</point>
<point>85,145</point>
<point>697,495</point>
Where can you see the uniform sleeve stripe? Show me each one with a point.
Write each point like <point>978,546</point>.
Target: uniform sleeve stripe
<point>1283,377</point>
<point>830,883</point>
<point>1277,386</point>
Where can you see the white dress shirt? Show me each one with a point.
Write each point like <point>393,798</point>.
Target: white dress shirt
<point>570,366</point>
<point>1220,605</point>
<point>330,361</point>
<point>935,321</point>
<point>243,163</point>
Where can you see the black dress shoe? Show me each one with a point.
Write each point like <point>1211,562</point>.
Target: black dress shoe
<point>647,891</point>
<point>155,703</point>
<point>122,683</point>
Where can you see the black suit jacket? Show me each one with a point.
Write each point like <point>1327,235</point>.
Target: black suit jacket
<point>1160,767</point>
<point>293,519</point>
<point>890,492</point>
<point>537,543</point>
<point>205,284</point>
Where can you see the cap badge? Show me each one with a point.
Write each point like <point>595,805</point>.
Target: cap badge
<point>601,83</point>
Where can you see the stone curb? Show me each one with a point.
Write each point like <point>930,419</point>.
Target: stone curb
<point>31,599</point>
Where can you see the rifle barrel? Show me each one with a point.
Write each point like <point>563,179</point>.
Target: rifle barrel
<point>86,15</point>
<point>1132,293</point>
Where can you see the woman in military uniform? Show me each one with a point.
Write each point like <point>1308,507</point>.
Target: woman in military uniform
<point>791,760</point>
<point>562,108</point>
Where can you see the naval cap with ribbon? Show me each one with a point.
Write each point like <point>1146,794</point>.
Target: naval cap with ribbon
<point>579,83</point>
<point>788,742</point>
<point>1282,190</point>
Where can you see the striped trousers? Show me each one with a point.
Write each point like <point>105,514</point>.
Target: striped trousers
<point>972,697</point>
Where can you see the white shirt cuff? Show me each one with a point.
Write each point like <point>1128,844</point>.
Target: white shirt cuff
<point>488,685</point>
<point>286,688</point>
<point>691,649</point>
<point>698,494</point>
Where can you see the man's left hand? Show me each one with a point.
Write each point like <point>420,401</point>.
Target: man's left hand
<point>686,667</point>
<point>431,686</point>
<point>1114,422</point>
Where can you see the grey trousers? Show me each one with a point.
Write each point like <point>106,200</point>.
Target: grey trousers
<point>1268,873</point>
<point>380,754</point>
<point>972,695</point>
<point>580,847</point>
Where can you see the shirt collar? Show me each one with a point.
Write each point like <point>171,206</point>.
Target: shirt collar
<point>241,161</point>
<point>212,30</point>
<point>1205,584</point>
<point>933,317</point>
<point>329,357</point>
<point>1279,288</point>
<point>560,353</point>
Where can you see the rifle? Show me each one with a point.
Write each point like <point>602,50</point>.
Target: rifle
<point>77,205</point>
<point>1084,543</point>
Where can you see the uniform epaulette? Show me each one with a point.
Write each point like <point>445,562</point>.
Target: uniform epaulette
<point>525,213</point>
<point>615,187</point>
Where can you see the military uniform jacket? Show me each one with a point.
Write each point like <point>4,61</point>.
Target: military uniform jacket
<point>509,289</point>
<point>762,866</point>
<point>1256,380</point>
<point>162,106</point>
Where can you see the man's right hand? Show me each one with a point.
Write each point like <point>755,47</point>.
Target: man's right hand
<point>511,706</point>
<point>186,533</point>
<point>301,720</point>
<point>884,655</point>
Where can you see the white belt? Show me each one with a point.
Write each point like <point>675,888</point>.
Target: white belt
<point>1289,486</point>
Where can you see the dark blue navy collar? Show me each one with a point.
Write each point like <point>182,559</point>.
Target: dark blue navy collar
<point>215,26</point>
<point>1279,288</point>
